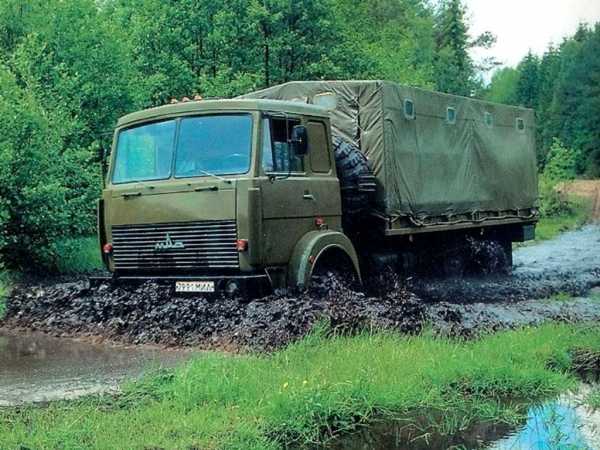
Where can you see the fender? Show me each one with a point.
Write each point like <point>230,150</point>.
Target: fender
<point>308,250</point>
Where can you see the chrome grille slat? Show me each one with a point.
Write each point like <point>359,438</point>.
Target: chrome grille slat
<point>208,244</point>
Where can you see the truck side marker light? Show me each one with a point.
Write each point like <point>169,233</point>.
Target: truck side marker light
<point>320,223</point>
<point>241,245</point>
<point>107,249</point>
<point>311,260</point>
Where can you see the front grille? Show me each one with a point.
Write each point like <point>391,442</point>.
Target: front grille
<point>209,244</point>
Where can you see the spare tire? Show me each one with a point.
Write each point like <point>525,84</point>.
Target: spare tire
<point>357,182</point>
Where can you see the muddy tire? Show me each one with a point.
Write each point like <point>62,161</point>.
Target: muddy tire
<point>357,183</point>
<point>333,272</point>
<point>491,257</point>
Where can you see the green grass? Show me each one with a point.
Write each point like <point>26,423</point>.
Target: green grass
<point>78,255</point>
<point>560,297</point>
<point>550,227</point>
<point>5,282</point>
<point>593,398</point>
<point>314,388</point>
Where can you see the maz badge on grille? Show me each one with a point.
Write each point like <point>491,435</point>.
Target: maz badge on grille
<point>168,244</point>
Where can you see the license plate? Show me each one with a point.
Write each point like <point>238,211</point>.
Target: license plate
<point>194,286</point>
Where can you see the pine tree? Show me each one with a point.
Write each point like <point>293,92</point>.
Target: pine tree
<point>527,87</point>
<point>453,67</point>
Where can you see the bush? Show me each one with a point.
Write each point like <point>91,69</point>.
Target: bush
<point>561,163</point>
<point>47,190</point>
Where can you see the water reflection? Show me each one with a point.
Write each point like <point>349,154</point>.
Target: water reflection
<point>35,367</point>
<point>564,424</point>
<point>554,426</point>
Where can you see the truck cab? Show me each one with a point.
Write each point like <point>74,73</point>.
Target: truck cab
<point>216,194</point>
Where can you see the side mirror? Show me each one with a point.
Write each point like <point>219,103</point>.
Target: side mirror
<point>299,140</point>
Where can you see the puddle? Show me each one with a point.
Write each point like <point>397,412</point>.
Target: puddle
<point>558,425</point>
<point>38,368</point>
<point>564,424</point>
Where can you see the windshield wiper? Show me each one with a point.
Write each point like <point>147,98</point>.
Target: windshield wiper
<point>224,180</point>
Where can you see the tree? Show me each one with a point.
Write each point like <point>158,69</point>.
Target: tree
<point>453,66</point>
<point>548,74</point>
<point>576,102</point>
<point>503,86</point>
<point>527,86</point>
<point>46,193</point>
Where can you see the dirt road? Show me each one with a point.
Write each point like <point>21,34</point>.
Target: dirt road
<point>569,264</point>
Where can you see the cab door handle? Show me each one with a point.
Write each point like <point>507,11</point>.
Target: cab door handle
<point>206,188</point>
<point>131,194</point>
<point>308,196</point>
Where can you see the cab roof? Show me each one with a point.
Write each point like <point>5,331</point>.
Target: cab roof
<point>184,108</point>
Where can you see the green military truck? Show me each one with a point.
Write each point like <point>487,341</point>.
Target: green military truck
<point>277,185</point>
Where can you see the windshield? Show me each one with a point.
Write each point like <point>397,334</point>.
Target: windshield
<point>219,145</point>
<point>206,145</point>
<point>145,152</point>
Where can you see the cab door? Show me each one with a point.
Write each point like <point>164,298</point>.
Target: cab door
<point>324,184</point>
<point>288,200</point>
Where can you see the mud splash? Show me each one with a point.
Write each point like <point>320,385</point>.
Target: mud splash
<point>151,313</point>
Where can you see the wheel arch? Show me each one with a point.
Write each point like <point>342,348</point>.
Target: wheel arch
<point>314,247</point>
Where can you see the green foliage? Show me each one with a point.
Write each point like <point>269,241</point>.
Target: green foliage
<point>314,388</point>
<point>560,167</point>
<point>503,86</point>
<point>563,87</point>
<point>453,67</point>
<point>76,255</point>
<point>5,283</point>
<point>561,163</point>
<point>527,84</point>
<point>41,181</point>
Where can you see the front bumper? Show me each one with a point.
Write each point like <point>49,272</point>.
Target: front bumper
<point>247,283</point>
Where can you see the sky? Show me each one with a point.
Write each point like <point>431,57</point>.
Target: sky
<point>521,25</point>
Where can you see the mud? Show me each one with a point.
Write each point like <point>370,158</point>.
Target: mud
<point>151,313</point>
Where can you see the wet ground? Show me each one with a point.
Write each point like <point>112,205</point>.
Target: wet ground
<point>35,367</point>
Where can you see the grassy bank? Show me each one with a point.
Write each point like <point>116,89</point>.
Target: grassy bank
<point>316,387</point>
<point>575,216</point>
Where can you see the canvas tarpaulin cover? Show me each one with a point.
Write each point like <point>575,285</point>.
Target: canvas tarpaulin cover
<point>481,160</point>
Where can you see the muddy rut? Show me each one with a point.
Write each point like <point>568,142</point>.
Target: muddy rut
<point>151,313</point>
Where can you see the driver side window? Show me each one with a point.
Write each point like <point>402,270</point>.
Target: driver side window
<point>277,153</point>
